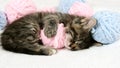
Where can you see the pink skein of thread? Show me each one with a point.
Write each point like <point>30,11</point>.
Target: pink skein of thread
<point>81,9</point>
<point>57,41</point>
<point>18,8</point>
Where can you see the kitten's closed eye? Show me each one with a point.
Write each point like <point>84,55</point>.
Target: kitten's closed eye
<point>68,32</point>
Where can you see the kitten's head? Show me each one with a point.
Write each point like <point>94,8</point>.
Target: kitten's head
<point>50,25</point>
<point>81,27</point>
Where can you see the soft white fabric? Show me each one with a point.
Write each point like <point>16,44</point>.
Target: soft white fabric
<point>107,56</point>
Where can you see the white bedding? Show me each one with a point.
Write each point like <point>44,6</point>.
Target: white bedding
<point>107,56</point>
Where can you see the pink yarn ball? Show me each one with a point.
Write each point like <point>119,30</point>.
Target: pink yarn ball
<point>18,8</point>
<point>56,41</point>
<point>81,9</point>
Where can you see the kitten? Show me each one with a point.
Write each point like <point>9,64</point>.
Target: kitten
<point>22,36</point>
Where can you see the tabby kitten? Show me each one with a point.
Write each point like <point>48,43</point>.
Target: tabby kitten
<point>23,35</point>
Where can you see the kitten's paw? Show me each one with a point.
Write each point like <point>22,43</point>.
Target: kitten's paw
<point>52,51</point>
<point>50,29</point>
<point>48,51</point>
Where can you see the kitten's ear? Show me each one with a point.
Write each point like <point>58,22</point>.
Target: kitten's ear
<point>89,25</point>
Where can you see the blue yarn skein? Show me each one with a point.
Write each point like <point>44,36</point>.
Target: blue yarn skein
<point>65,5</point>
<point>107,29</point>
<point>3,20</point>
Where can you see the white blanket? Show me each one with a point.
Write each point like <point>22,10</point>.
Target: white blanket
<point>107,56</point>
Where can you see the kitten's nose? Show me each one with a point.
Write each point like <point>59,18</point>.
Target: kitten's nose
<point>74,47</point>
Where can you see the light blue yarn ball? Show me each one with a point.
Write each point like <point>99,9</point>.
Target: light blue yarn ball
<point>107,29</point>
<point>3,20</point>
<point>65,5</point>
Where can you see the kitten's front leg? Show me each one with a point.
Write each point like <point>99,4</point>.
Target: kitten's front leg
<point>50,25</point>
<point>47,50</point>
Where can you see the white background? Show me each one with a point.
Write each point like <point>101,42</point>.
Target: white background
<point>107,56</point>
